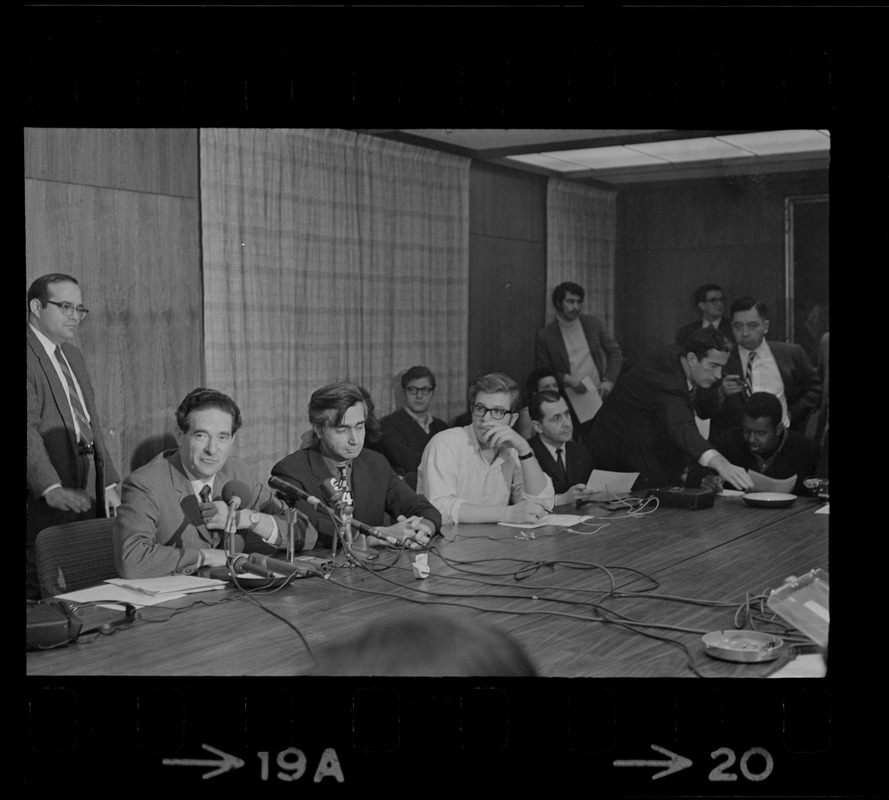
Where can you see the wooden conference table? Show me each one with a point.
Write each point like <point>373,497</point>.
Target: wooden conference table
<point>541,590</point>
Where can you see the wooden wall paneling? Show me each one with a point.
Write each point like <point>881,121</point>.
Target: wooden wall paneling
<point>137,259</point>
<point>507,287</point>
<point>674,236</point>
<point>507,270</point>
<point>154,160</point>
<point>506,203</point>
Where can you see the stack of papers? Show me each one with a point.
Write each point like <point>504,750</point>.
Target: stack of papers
<point>144,591</point>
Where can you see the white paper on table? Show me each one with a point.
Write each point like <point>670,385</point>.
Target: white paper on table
<point>117,594</point>
<point>563,520</point>
<point>762,483</point>
<point>809,665</point>
<point>587,404</point>
<point>168,583</point>
<point>611,484</point>
<point>825,509</point>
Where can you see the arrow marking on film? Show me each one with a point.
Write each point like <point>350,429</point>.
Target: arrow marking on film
<point>226,763</point>
<point>675,763</point>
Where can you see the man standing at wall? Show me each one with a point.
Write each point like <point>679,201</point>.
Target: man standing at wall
<point>758,365</point>
<point>710,300</point>
<point>576,346</point>
<point>68,465</point>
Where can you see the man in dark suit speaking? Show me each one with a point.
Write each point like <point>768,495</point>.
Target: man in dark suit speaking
<point>70,475</point>
<point>173,519</point>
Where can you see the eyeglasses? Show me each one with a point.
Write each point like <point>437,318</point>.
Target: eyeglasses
<point>420,390</point>
<point>479,411</point>
<point>70,310</point>
<point>715,300</point>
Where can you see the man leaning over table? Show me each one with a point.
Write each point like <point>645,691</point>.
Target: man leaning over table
<point>486,471</point>
<point>165,526</point>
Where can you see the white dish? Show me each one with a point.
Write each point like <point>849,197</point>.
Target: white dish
<point>769,499</point>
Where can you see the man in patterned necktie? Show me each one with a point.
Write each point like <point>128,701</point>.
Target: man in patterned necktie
<point>68,464</point>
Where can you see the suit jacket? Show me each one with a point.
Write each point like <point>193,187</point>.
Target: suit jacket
<point>647,423</point>
<point>403,442</point>
<point>376,489</point>
<point>550,350</point>
<point>159,529</point>
<point>52,440</point>
<point>802,388</point>
<point>578,464</point>
<point>798,456</point>
<point>725,328</point>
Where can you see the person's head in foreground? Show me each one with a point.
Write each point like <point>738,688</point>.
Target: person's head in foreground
<point>426,643</point>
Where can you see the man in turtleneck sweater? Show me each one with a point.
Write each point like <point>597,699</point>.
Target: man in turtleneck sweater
<point>576,346</point>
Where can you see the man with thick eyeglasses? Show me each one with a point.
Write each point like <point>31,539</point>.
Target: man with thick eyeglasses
<point>710,300</point>
<point>406,432</point>
<point>486,471</point>
<point>68,464</point>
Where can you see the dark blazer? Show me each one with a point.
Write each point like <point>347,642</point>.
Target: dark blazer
<point>725,327</point>
<point>550,349</point>
<point>403,442</point>
<point>52,441</point>
<point>798,456</point>
<point>802,388</point>
<point>578,464</point>
<point>376,490</point>
<point>647,423</point>
<point>159,528</point>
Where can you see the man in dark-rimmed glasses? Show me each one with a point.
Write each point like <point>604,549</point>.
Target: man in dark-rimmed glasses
<point>406,432</point>
<point>486,471</point>
<point>68,465</point>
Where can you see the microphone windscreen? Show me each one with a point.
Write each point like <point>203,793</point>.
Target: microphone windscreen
<point>330,490</point>
<point>236,488</point>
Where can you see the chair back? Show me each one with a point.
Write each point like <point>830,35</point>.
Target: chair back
<point>75,555</point>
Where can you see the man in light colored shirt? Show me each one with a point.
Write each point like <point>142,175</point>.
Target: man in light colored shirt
<point>68,464</point>
<point>757,365</point>
<point>173,519</point>
<point>486,471</point>
<point>577,346</point>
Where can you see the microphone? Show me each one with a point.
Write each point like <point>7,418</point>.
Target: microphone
<point>293,492</point>
<point>333,494</point>
<point>259,564</point>
<point>332,491</point>
<point>234,493</point>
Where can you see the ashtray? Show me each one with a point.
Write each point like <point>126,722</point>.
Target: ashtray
<point>745,646</point>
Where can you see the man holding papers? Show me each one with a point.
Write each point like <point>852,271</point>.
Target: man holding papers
<point>647,424</point>
<point>764,445</point>
<point>577,346</point>
<point>567,463</point>
<point>172,519</point>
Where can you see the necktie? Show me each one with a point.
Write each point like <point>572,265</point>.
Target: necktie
<point>748,376</point>
<point>560,462</point>
<point>86,432</point>
<point>205,494</point>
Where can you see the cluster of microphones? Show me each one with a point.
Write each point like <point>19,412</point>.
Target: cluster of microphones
<point>235,493</point>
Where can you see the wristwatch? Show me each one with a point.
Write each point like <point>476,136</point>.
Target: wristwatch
<point>254,519</point>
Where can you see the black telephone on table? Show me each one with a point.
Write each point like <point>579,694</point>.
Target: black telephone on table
<point>51,624</point>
